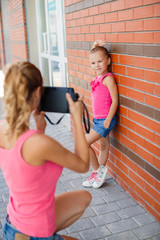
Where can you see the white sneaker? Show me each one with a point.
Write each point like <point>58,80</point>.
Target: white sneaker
<point>89,182</point>
<point>100,176</point>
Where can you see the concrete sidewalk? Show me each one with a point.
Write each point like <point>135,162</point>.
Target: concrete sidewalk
<point>112,215</point>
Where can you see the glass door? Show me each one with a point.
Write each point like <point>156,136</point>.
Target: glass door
<point>50,19</point>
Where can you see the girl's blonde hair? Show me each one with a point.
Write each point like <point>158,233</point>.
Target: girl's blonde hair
<point>97,48</point>
<point>21,79</point>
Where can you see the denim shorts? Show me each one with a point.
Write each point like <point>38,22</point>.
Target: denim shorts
<point>99,126</point>
<point>9,232</point>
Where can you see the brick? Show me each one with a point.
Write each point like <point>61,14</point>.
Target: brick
<point>151,1</point>
<point>98,19</point>
<point>132,4</point>
<point>143,219</point>
<point>152,24</point>
<point>93,11</point>
<point>94,28</point>
<point>145,86</point>
<point>152,101</point>
<point>127,102</point>
<point>129,162</point>
<point>105,208</point>
<point>144,62</point>
<point>152,76</point>
<point>126,60</point>
<point>153,192</point>
<point>146,197</point>
<point>151,124</point>
<point>84,13</point>
<point>143,37</point>
<point>147,231</point>
<point>88,20</point>
<point>128,123</point>
<point>104,8</point>
<point>119,69</point>
<point>121,226</point>
<point>136,138</point>
<point>112,37</point>
<point>156,10</point>
<point>95,233</point>
<point>125,15</point>
<point>117,5</point>
<point>80,21</point>
<point>152,148</point>
<point>105,28</point>
<point>111,17</point>
<point>105,219</point>
<point>134,26</point>
<point>156,36</point>
<point>135,72</point>
<point>145,154</point>
<point>145,133</point>
<point>143,12</point>
<point>153,212</point>
<point>126,37</point>
<point>118,27</point>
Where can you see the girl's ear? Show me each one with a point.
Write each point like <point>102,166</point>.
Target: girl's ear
<point>109,61</point>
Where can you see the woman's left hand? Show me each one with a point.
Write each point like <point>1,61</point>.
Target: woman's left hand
<point>39,120</point>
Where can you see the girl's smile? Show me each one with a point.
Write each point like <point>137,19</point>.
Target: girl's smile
<point>99,63</point>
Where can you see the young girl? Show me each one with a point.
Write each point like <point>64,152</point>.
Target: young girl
<point>105,103</point>
<point>32,162</point>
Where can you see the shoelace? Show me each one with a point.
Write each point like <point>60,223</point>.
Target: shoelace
<point>99,176</point>
<point>93,175</point>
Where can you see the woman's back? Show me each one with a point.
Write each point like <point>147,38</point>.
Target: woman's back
<point>32,190</point>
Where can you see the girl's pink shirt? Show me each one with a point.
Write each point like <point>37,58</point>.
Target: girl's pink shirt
<point>101,98</point>
<point>31,205</point>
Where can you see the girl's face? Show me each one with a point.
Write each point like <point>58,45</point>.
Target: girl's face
<point>99,63</point>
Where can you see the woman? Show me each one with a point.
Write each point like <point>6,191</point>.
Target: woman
<point>32,162</point>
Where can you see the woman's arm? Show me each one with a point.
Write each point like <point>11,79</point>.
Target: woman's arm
<point>40,147</point>
<point>112,87</point>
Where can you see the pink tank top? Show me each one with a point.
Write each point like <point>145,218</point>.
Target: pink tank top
<point>31,205</point>
<point>101,98</point>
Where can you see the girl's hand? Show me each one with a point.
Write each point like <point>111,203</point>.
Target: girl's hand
<point>39,120</point>
<point>98,43</point>
<point>75,108</point>
<point>106,124</point>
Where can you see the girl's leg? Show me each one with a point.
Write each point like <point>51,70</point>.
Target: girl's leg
<point>104,149</point>
<point>91,138</point>
<point>70,206</point>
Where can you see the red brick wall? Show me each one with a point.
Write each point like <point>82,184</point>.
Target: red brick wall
<point>17,30</point>
<point>2,57</point>
<point>132,32</point>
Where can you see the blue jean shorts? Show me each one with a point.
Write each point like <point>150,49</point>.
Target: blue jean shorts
<point>9,232</point>
<point>99,126</point>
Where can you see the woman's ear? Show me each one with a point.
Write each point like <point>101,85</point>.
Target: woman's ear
<point>37,92</point>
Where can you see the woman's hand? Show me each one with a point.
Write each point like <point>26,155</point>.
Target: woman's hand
<point>39,120</point>
<point>75,108</point>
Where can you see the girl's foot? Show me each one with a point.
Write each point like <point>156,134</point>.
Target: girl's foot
<point>89,182</point>
<point>99,178</point>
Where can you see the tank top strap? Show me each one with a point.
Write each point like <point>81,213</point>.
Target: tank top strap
<point>107,74</point>
<point>24,137</point>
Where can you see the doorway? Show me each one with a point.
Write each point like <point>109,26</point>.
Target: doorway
<point>51,42</point>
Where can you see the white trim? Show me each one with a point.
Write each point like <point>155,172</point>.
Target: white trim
<point>61,58</point>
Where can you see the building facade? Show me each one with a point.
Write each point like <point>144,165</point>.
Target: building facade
<point>36,32</point>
